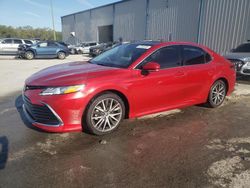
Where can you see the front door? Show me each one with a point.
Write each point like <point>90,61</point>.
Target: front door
<point>160,90</point>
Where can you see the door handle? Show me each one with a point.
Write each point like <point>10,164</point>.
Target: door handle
<point>180,74</point>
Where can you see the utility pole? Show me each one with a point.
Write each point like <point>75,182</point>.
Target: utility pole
<point>52,17</point>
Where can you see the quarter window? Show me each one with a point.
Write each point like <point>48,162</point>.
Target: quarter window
<point>167,57</point>
<point>194,55</point>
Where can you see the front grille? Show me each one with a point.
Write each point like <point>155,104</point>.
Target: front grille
<point>237,63</point>
<point>247,71</point>
<point>28,87</point>
<point>40,113</point>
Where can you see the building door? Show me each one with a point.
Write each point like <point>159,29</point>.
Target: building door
<point>105,33</point>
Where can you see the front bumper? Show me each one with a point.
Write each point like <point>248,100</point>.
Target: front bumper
<point>241,67</point>
<point>55,113</point>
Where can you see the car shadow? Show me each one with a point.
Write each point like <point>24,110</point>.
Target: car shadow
<point>19,106</point>
<point>243,79</point>
<point>4,150</point>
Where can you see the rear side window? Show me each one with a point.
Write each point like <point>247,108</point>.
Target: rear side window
<point>243,48</point>
<point>194,55</point>
<point>17,41</point>
<point>52,44</point>
<point>7,41</point>
<point>28,42</point>
<point>167,57</point>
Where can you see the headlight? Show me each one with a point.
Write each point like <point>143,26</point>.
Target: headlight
<point>62,90</point>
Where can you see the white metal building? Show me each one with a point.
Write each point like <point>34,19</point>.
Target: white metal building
<point>218,24</point>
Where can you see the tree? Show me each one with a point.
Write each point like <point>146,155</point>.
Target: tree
<point>28,32</point>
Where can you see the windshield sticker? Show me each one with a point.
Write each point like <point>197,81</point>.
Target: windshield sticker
<point>143,47</point>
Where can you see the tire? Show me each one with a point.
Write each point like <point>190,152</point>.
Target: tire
<point>217,94</point>
<point>73,51</point>
<point>61,55</point>
<point>104,114</point>
<point>29,55</point>
<point>79,52</point>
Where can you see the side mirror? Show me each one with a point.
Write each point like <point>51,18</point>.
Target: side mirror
<point>151,67</point>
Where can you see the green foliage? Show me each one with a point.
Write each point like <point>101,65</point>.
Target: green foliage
<point>28,32</point>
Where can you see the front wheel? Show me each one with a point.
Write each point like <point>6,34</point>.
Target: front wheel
<point>104,114</point>
<point>61,55</point>
<point>217,94</point>
<point>29,55</point>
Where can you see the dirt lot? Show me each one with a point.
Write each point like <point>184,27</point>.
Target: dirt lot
<point>192,147</point>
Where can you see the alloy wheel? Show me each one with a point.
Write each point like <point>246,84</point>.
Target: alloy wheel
<point>218,93</point>
<point>106,115</point>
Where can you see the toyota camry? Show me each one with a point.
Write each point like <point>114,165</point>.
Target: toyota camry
<point>128,81</point>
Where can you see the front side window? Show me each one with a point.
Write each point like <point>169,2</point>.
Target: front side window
<point>167,57</point>
<point>194,55</point>
<point>28,42</point>
<point>121,56</point>
<point>43,44</point>
<point>244,48</point>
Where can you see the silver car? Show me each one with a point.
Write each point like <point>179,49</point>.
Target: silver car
<point>10,45</point>
<point>240,56</point>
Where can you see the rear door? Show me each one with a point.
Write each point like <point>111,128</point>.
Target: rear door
<point>16,43</point>
<point>199,72</point>
<point>6,46</point>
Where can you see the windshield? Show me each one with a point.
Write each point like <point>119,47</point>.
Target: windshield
<point>121,56</point>
<point>244,48</point>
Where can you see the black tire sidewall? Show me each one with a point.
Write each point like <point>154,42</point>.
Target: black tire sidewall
<point>88,126</point>
<point>210,101</point>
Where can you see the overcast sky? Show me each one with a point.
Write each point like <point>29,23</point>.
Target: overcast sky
<point>37,13</point>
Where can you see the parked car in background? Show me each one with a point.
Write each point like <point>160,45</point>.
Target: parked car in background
<point>240,56</point>
<point>45,49</point>
<point>9,46</point>
<point>86,46</point>
<point>76,49</point>
<point>128,81</point>
<point>97,50</point>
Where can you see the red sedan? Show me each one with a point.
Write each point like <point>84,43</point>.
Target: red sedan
<point>128,81</point>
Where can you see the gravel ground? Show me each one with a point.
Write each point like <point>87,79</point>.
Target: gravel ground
<point>14,71</point>
<point>191,147</point>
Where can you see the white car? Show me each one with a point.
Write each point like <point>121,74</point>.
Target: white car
<point>86,46</point>
<point>10,45</point>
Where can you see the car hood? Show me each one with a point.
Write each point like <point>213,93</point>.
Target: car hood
<point>66,74</point>
<point>240,56</point>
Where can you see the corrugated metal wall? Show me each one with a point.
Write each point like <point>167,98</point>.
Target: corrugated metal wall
<point>173,19</point>
<point>224,24</point>
<point>218,24</point>
<point>130,20</point>
<point>82,26</point>
<point>100,17</point>
<point>68,26</point>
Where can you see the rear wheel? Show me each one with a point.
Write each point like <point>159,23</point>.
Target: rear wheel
<point>61,55</point>
<point>217,94</point>
<point>104,114</point>
<point>29,55</point>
